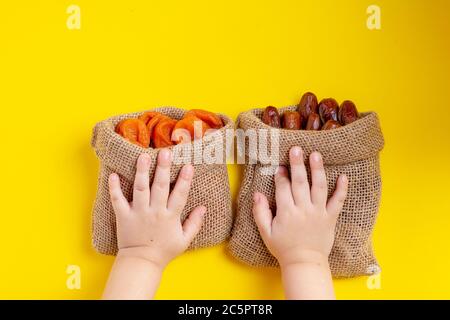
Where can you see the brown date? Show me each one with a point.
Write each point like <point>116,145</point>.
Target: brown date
<point>271,117</point>
<point>347,112</point>
<point>331,124</point>
<point>313,122</point>
<point>328,110</point>
<point>307,105</point>
<point>292,120</point>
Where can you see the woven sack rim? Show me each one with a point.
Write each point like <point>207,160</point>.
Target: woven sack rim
<point>105,131</point>
<point>360,132</point>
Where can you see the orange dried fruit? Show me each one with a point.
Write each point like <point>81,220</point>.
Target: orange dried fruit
<point>181,135</point>
<point>153,122</point>
<point>147,116</point>
<point>210,118</point>
<point>135,131</point>
<point>189,123</point>
<point>162,132</point>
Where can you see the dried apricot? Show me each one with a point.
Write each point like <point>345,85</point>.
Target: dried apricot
<point>159,129</point>
<point>147,116</point>
<point>189,123</point>
<point>210,118</point>
<point>162,133</point>
<point>181,135</point>
<point>135,131</point>
<point>153,122</point>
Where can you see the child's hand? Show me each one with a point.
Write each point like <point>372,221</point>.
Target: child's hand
<point>301,234</point>
<point>303,228</point>
<point>149,227</point>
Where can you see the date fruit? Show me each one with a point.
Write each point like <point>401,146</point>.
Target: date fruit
<point>271,117</point>
<point>307,105</point>
<point>292,120</point>
<point>325,115</point>
<point>331,124</point>
<point>328,110</point>
<point>313,122</point>
<point>348,112</point>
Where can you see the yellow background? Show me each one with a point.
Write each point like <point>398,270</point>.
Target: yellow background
<point>225,56</point>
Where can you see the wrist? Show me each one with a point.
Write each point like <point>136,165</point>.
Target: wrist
<point>141,255</point>
<point>305,257</point>
<point>307,278</point>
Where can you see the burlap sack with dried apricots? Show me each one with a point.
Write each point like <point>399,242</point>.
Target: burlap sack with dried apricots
<point>210,185</point>
<point>352,150</point>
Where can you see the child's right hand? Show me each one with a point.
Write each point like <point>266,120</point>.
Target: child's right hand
<point>303,229</point>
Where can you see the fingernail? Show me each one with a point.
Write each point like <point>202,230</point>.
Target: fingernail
<point>281,170</point>
<point>165,154</point>
<point>316,156</point>
<point>257,197</point>
<point>114,177</point>
<point>188,171</point>
<point>296,151</point>
<point>144,158</point>
<point>344,178</point>
<point>203,211</point>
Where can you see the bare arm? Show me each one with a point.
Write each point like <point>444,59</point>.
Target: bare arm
<point>132,278</point>
<point>149,231</point>
<point>308,280</point>
<point>301,234</point>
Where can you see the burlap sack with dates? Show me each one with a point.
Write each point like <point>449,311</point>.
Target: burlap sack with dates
<point>210,185</point>
<point>352,150</point>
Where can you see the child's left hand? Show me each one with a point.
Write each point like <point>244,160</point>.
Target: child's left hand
<point>149,227</point>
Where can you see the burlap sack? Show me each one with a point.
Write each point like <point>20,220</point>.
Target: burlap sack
<point>353,150</point>
<point>210,185</point>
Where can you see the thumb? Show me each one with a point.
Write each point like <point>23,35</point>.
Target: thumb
<point>193,223</point>
<point>262,214</point>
